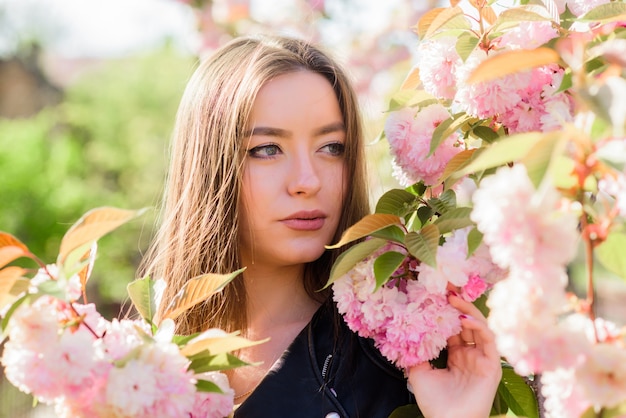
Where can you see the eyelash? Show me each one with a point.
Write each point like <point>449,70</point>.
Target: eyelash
<point>257,152</point>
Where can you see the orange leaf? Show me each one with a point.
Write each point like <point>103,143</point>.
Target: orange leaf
<point>217,344</point>
<point>8,277</point>
<point>412,81</point>
<point>197,290</point>
<point>85,272</point>
<point>92,226</point>
<point>458,161</point>
<point>488,14</point>
<point>426,20</point>
<point>512,62</point>
<point>443,18</point>
<point>364,227</point>
<point>11,248</point>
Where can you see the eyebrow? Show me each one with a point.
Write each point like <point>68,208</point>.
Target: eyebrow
<point>281,133</point>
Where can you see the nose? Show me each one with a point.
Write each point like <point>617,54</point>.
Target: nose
<point>303,176</point>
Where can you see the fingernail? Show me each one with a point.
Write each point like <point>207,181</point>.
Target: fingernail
<point>463,316</point>
<point>452,293</point>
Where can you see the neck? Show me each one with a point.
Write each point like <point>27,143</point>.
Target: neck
<point>276,298</point>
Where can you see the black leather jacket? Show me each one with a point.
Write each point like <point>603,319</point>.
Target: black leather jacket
<point>328,371</point>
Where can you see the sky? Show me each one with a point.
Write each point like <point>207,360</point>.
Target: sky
<point>86,28</point>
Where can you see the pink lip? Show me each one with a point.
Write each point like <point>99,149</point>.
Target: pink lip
<point>305,220</point>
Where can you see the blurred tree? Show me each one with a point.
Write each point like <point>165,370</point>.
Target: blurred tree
<point>104,145</point>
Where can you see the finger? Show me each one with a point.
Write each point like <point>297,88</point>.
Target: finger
<point>483,336</point>
<point>465,307</point>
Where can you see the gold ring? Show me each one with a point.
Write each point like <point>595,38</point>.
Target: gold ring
<point>469,343</point>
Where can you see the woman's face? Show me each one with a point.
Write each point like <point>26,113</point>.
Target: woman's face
<point>294,173</point>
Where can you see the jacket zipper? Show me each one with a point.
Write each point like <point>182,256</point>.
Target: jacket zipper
<point>326,364</point>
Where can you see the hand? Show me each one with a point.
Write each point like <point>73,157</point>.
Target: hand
<point>467,387</point>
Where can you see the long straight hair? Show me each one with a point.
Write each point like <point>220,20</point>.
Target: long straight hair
<point>199,219</point>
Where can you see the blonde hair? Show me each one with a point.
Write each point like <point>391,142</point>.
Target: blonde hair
<point>199,216</point>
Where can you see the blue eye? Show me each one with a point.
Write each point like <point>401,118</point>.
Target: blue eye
<point>264,151</point>
<point>335,148</point>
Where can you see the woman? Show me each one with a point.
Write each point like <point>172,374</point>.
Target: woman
<point>267,168</point>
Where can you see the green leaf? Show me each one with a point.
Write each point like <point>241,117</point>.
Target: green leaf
<point>485,133</point>
<point>52,288</point>
<point>9,313</point>
<point>517,394</point>
<point>143,296</point>
<point>391,233</point>
<point>541,156</point>
<point>507,150</point>
<point>410,98</point>
<point>611,253</point>
<point>210,363</point>
<point>349,258</point>
<point>385,265</point>
<point>466,44</point>
<point>181,340</point>
<point>456,218</point>
<point>474,238</point>
<point>423,244</point>
<point>78,259</point>
<point>605,12</point>
<point>418,189</point>
<point>207,386</point>
<point>407,411</point>
<point>447,128</point>
<point>567,82</point>
<point>445,202</point>
<point>395,202</point>
<point>618,411</point>
<point>424,213</point>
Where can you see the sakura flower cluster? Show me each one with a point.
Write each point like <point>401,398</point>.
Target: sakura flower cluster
<point>533,233</point>
<point>67,355</point>
<point>529,100</point>
<point>409,135</point>
<point>409,317</point>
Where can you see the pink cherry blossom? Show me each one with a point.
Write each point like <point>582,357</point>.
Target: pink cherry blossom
<point>45,357</point>
<point>541,106</point>
<point>521,225</point>
<point>579,7</point>
<point>409,133</point>
<point>156,382</point>
<point>389,314</point>
<point>438,61</point>
<point>603,376</point>
<point>528,35</point>
<point>213,405</point>
<point>524,315</point>
<point>454,267</point>
<point>564,397</point>
<point>488,98</point>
